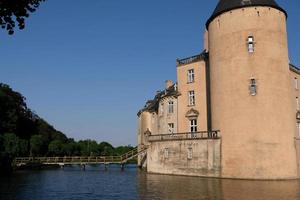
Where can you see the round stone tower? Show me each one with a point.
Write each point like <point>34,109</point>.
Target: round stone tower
<point>251,93</point>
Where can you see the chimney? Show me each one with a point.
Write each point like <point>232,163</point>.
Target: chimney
<point>169,83</point>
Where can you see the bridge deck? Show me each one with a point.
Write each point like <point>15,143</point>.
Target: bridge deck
<point>76,160</point>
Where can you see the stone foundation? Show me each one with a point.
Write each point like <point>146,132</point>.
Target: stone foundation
<point>185,157</point>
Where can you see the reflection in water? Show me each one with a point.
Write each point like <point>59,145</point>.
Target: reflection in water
<point>153,186</point>
<point>161,187</point>
<point>132,184</point>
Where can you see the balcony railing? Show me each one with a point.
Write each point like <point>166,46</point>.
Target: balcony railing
<point>190,59</point>
<point>202,135</point>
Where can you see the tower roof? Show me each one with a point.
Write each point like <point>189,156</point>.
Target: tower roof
<point>227,5</point>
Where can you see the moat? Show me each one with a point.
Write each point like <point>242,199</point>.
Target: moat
<point>131,184</point>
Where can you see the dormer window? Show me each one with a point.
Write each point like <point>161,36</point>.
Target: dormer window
<point>250,43</point>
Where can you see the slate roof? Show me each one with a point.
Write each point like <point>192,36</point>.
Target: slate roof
<point>227,5</point>
<point>153,104</point>
<point>295,69</point>
<point>185,61</point>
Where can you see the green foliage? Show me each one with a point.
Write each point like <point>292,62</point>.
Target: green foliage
<point>13,145</point>
<point>71,148</point>
<point>23,147</point>
<point>10,141</point>
<point>12,108</point>
<point>23,133</point>
<point>36,145</point>
<point>56,148</point>
<point>106,149</point>
<point>122,150</point>
<point>12,11</point>
<point>1,144</point>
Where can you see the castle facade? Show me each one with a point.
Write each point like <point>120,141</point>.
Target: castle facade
<point>234,111</point>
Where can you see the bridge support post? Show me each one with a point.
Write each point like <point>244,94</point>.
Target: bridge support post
<point>83,167</point>
<point>62,166</point>
<point>106,166</point>
<point>122,166</point>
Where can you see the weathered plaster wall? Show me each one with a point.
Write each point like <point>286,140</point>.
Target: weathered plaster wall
<point>164,117</point>
<point>205,161</point>
<point>146,121</point>
<point>295,84</point>
<point>257,131</point>
<point>199,86</point>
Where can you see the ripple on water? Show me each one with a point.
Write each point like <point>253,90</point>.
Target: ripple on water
<point>96,183</point>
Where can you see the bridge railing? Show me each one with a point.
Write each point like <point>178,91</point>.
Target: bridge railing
<point>54,160</point>
<point>81,159</point>
<point>185,136</point>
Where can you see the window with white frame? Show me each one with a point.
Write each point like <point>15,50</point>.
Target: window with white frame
<point>253,87</point>
<point>191,76</point>
<point>171,127</point>
<point>191,97</point>
<point>190,153</point>
<point>193,126</point>
<point>166,153</point>
<point>297,103</point>
<point>250,43</point>
<point>171,107</point>
<point>296,83</point>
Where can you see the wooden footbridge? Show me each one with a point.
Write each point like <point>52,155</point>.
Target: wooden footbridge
<point>83,161</point>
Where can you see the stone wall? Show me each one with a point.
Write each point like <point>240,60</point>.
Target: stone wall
<point>164,117</point>
<point>174,157</point>
<point>257,129</point>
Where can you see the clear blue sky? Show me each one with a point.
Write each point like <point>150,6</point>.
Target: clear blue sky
<point>88,66</point>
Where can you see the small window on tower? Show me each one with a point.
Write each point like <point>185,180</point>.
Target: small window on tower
<point>253,87</point>
<point>250,43</point>
<point>296,84</point>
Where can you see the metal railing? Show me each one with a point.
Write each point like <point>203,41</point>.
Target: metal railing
<point>185,136</point>
<point>190,59</point>
<point>82,159</point>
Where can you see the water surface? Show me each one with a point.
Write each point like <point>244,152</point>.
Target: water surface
<point>132,184</point>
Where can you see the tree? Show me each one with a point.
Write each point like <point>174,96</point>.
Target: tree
<point>122,150</point>
<point>1,144</point>
<point>36,145</point>
<point>71,148</point>
<point>10,142</point>
<point>106,149</point>
<point>12,106</point>
<point>14,146</point>
<point>12,11</point>
<point>23,147</point>
<point>55,148</point>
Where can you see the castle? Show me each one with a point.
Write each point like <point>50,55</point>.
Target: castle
<point>234,111</point>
